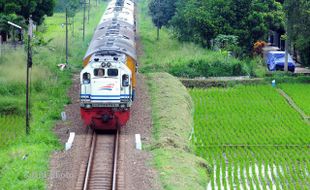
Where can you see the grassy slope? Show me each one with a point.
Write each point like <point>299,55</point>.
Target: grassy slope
<point>24,160</point>
<point>172,125</point>
<point>178,167</point>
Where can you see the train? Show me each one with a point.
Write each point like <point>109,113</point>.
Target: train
<point>108,78</point>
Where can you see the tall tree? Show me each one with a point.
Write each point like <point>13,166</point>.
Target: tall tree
<point>250,20</point>
<point>161,12</point>
<point>298,16</point>
<point>71,5</point>
<point>37,8</point>
<point>193,22</point>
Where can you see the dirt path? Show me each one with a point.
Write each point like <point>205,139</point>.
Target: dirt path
<point>139,175</point>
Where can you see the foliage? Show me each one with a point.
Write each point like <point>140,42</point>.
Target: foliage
<point>38,9</point>
<point>213,65</point>
<point>225,42</point>
<point>201,21</point>
<point>258,47</point>
<point>193,22</point>
<point>186,59</point>
<point>252,137</point>
<point>71,5</point>
<point>161,12</point>
<point>298,14</point>
<point>4,26</point>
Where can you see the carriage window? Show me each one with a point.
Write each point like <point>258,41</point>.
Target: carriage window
<point>112,72</point>
<point>86,78</point>
<point>99,72</point>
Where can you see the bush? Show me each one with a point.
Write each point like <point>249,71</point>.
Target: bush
<point>12,106</point>
<point>209,67</point>
<point>13,89</point>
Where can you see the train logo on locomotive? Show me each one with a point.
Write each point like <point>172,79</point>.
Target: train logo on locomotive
<point>108,87</point>
<point>108,79</point>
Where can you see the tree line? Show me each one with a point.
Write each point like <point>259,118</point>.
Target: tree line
<point>206,21</point>
<point>18,11</point>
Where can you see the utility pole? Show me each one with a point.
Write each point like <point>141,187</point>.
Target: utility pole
<point>286,47</point>
<point>84,20</point>
<point>67,36</point>
<point>88,11</point>
<point>29,65</point>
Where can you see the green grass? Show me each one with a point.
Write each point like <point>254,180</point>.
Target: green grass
<point>251,134</point>
<point>186,59</point>
<point>172,125</point>
<point>300,94</point>
<point>10,128</point>
<point>24,160</point>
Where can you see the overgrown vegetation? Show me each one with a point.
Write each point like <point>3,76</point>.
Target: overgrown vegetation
<point>188,59</point>
<point>19,12</point>
<point>252,138</point>
<point>250,21</point>
<point>202,21</point>
<point>24,159</point>
<point>298,15</point>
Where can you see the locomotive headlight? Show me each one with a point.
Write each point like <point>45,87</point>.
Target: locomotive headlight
<point>109,64</point>
<point>103,64</point>
<point>88,106</point>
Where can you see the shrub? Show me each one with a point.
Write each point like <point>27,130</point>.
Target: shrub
<point>12,106</point>
<point>209,67</point>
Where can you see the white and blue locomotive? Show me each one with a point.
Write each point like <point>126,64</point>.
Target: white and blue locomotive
<point>108,79</point>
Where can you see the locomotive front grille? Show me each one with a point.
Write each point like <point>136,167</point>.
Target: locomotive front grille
<point>105,105</point>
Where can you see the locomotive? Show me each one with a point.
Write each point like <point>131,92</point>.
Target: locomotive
<point>108,78</point>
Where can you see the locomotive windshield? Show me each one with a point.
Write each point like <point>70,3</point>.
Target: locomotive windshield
<point>112,72</point>
<point>99,72</point>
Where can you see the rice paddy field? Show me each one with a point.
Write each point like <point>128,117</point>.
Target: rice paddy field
<point>300,93</point>
<point>252,138</point>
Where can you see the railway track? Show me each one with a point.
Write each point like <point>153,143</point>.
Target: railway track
<point>101,172</point>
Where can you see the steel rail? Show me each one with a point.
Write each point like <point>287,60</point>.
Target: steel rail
<point>90,160</point>
<point>114,170</point>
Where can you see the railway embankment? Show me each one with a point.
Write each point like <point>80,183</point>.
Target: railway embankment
<point>172,110</point>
